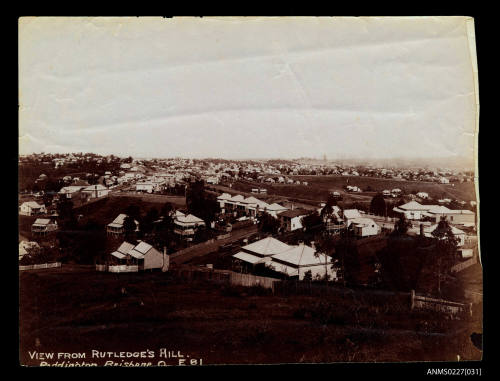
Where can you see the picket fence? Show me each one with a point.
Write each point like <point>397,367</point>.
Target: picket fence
<point>440,305</point>
<point>463,265</point>
<point>117,268</point>
<point>40,266</point>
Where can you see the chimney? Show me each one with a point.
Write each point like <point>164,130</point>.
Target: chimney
<point>166,260</point>
<point>292,206</point>
<point>421,230</point>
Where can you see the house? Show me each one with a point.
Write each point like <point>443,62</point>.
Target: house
<point>415,211</point>
<point>386,193</point>
<point>292,219</point>
<point>116,227</point>
<point>350,215</point>
<point>261,251</point>
<point>95,191</point>
<point>364,227</point>
<point>444,180</point>
<point>32,208</point>
<point>187,225</point>
<point>25,246</point>
<point>222,201</point>
<point>43,226</point>
<point>71,191</point>
<point>423,195</point>
<point>144,255</point>
<point>460,235</point>
<point>298,260</point>
<point>293,261</point>
<point>274,209</point>
<point>412,210</point>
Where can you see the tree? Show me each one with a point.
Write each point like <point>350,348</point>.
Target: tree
<point>308,276</point>
<point>402,225</point>
<point>133,211</point>
<point>312,223</point>
<point>268,224</point>
<point>378,206</point>
<point>129,227</point>
<point>446,249</point>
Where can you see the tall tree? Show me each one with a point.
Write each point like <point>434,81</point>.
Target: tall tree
<point>378,206</point>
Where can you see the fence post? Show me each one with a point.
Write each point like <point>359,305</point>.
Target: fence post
<point>412,296</point>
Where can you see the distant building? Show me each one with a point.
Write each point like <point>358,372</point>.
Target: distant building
<point>32,208</point>
<point>143,255</point>
<point>187,225</point>
<point>292,219</point>
<point>95,191</point>
<point>116,227</point>
<point>43,226</point>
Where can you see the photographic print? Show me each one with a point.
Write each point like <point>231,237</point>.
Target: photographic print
<point>199,191</point>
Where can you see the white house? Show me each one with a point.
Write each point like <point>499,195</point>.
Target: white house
<point>261,251</point>
<point>298,260</point>
<point>423,195</point>
<point>364,227</point>
<point>293,261</point>
<point>187,225</point>
<point>32,208</point>
<point>116,227</point>
<point>25,246</point>
<point>292,219</point>
<point>43,226</point>
<point>95,191</point>
<point>350,215</point>
<point>144,255</point>
<point>71,191</point>
<point>412,210</point>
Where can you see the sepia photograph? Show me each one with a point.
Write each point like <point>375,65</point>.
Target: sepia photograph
<point>200,191</point>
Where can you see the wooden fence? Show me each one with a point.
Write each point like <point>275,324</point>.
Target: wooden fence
<point>224,276</point>
<point>463,265</point>
<point>440,305</point>
<point>40,266</point>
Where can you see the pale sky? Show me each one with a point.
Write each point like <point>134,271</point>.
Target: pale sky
<point>247,87</point>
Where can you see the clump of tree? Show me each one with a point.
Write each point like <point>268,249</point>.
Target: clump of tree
<point>200,203</point>
<point>268,224</point>
<point>378,205</point>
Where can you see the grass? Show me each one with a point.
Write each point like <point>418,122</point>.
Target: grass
<point>320,186</point>
<point>64,311</point>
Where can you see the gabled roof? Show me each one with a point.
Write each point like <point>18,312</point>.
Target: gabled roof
<point>437,209</point>
<point>276,207</point>
<point>224,196</point>
<point>32,204</point>
<point>301,255</point>
<point>246,257</point>
<point>352,213</point>
<point>118,221</point>
<point>42,221</point>
<point>138,251</point>
<point>237,198</point>
<point>413,205</point>
<point>190,219</point>
<point>454,230</point>
<point>266,246</point>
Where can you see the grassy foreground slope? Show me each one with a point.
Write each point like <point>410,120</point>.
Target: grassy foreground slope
<point>68,310</point>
